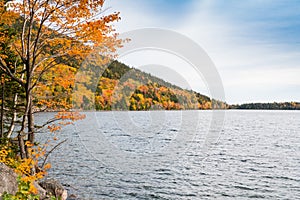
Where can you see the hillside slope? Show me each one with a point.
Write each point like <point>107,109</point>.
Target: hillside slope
<point>124,88</point>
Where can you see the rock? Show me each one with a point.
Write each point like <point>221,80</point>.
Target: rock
<point>41,191</point>
<point>8,180</point>
<point>46,188</point>
<point>54,188</point>
<point>72,197</point>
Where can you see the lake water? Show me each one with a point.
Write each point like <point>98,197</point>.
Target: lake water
<point>165,155</point>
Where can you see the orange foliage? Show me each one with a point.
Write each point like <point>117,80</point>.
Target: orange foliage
<point>23,167</point>
<point>73,116</point>
<point>55,35</point>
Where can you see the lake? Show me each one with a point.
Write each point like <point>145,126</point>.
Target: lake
<point>180,155</point>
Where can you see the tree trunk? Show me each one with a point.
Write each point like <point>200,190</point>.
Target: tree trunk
<point>2,107</point>
<point>30,122</point>
<point>22,146</point>
<point>14,117</point>
<point>22,134</point>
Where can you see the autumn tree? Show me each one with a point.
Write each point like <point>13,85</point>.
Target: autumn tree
<point>43,37</point>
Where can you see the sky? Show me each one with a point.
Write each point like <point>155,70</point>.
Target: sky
<point>254,44</point>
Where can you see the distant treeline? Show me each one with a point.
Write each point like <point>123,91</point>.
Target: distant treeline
<point>268,106</point>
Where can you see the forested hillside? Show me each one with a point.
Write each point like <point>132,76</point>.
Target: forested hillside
<point>119,87</point>
<point>124,88</point>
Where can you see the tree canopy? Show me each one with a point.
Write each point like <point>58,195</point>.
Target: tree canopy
<point>42,44</point>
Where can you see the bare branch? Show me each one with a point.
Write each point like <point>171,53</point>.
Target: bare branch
<point>23,38</point>
<point>47,154</point>
<point>46,68</point>
<point>4,67</point>
<point>50,121</point>
<point>47,58</point>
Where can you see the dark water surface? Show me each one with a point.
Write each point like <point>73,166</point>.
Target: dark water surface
<point>161,155</point>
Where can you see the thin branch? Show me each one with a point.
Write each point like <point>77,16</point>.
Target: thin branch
<point>38,36</point>
<point>19,53</point>
<point>49,66</point>
<point>48,122</point>
<point>47,154</point>
<point>7,71</point>
<point>40,111</point>
<point>47,58</point>
<point>23,38</point>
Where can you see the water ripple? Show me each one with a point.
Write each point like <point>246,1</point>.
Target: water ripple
<point>257,157</point>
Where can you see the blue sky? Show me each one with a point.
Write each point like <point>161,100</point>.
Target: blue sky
<point>255,44</point>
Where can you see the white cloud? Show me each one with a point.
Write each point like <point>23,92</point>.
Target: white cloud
<point>134,14</point>
<point>245,62</point>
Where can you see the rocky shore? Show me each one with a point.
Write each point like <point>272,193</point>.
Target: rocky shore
<point>46,188</point>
